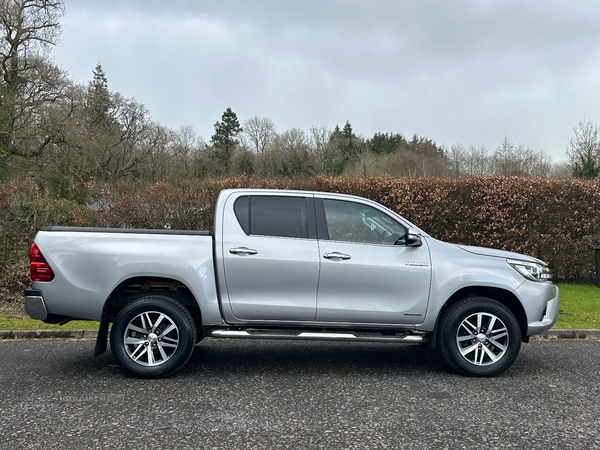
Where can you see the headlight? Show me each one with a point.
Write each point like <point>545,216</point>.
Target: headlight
<point>531,270</point>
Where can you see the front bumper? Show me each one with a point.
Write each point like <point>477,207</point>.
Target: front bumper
<point>34,305</point>
<point>540,301</point>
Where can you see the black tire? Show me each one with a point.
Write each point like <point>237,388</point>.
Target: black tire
<point>153,336</point>
<point>479,351</point>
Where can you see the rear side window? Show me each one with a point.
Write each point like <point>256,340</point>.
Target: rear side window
<point>279,216</point>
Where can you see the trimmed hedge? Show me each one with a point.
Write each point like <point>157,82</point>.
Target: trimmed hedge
<point>555,220</point>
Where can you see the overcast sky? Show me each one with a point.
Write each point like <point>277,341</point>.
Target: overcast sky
<point>452,71</point>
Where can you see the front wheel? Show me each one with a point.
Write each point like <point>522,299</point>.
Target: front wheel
<point>153,336</point>
<point>479,337</point>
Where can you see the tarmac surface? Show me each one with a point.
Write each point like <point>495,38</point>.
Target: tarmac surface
<point>264,394</point>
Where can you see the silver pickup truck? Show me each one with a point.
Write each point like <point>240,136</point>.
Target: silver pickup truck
<point>290,265</point>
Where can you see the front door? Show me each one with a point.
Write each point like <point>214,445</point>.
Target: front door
<point>368,274</point>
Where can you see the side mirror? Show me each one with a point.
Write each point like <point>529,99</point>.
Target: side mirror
<point>413,240</point>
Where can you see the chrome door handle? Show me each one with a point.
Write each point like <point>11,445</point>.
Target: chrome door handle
<point>242,251</point>
<point>336,256</point>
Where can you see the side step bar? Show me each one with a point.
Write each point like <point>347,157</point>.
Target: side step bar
<point>307,335</point>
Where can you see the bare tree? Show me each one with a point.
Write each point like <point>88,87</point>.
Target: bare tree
<point>259,132</point>
<point>293,147</point>
<point>29,82</point>
<point>478,161</point>
<point>457,157</point>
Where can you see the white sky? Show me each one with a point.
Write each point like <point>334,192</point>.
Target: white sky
<point>452,71</point>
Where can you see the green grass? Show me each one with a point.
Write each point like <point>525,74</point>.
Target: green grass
<point>13,317</point>
<point>10,323</point>
<point>579,308</point>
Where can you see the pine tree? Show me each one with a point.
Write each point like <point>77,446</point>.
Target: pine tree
<point>347,130</point>
<point>99,101</point>
<point>224,139</point>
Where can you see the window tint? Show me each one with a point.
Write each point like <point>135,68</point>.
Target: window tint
<point>273,216</point>
<point>354,222</point>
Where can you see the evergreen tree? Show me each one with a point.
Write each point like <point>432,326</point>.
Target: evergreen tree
<point>583,150</point>
<point>586,168</point>
<point>386,143</point>
<point>347,130</point>
<point>336,134</point>
<point>98,98</point>
<point>224,139</point>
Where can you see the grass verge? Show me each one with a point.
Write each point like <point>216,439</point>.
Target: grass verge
<point>579,308</point>
<point>13,317</point>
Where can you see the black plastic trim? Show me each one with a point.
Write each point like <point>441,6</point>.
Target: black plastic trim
<point>127,230</point>
<point>322,231</point>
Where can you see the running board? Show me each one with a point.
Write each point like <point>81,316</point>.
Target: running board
<point>306,335</point>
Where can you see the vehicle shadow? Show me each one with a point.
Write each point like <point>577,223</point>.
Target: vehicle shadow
<point>226,357</point>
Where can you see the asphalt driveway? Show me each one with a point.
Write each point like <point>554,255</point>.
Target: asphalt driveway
<point>305,395</point>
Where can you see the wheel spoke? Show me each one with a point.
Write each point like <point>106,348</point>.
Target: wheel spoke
<point>158,321</point>
<point>162,351</point>
<point>497,334</point>
<point>497,344</point>
<point>134,341</point>
<point>144,324</point>
<point>148,319</point>
<point>168,345</point>
<point>491,325</point>
<point>491,354</point>
<point>135,358</point>
<point>151,361</point>
<point>168,330</point>
<point>470,329</point>
<point>132,327</point>
<point>465,351</point>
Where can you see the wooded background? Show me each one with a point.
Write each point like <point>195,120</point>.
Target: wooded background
<point>83,155</point>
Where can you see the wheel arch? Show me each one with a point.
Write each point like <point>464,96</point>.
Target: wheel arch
<point>503,296</point>
<point>136,287</point>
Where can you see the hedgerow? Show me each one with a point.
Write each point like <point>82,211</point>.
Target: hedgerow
<point>555,220</point>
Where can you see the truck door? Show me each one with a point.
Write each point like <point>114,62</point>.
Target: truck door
<point>270,257</point>
<point>368,274</point>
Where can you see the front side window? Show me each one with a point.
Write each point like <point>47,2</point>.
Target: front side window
<point>279,216</point>
<point>354,222</point>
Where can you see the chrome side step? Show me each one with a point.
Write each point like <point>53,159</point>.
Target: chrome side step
<point>308,335</point>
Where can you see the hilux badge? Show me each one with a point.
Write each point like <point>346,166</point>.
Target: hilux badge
<point>417,263</point>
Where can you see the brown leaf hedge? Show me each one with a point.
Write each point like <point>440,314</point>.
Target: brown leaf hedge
<point>554,220</point>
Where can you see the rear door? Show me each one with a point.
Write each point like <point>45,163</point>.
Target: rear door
<point>368,274</point>
<point>270,257</point>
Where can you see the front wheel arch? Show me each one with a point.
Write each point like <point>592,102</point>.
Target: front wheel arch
<point>506,298</point>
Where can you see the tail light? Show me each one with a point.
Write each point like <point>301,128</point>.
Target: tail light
<point>39,269</point>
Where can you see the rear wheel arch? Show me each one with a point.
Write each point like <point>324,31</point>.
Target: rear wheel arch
<point>134,288</point>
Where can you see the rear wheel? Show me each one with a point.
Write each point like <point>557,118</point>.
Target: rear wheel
<point>153,336</point>
<point>479,337</point>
